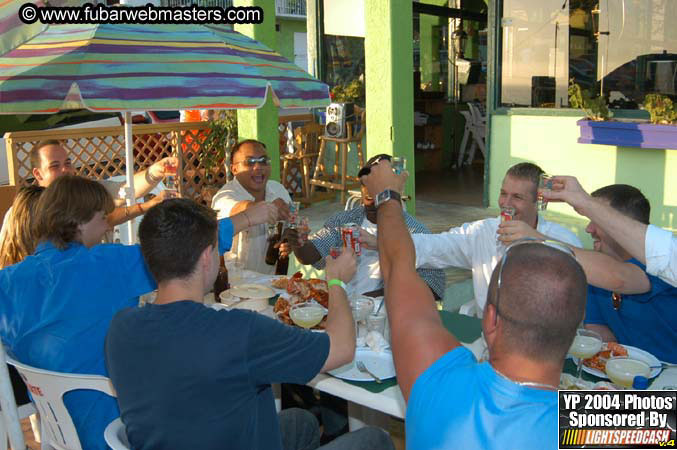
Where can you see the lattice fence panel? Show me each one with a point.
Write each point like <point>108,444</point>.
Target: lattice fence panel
<point>99,153</point>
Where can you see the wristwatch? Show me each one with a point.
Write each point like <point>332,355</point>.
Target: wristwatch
<point>386,195</point>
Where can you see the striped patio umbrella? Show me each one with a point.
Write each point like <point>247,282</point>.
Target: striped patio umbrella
<point>130,67</point>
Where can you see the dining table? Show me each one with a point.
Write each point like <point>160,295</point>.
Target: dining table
<point>368,397</point>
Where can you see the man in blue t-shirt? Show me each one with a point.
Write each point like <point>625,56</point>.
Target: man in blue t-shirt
<point>56,305</point>
<point>535,303</point>
<point>188,376</point>
<point>626,304</point>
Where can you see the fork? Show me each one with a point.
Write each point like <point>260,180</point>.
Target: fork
<point>362,368</point>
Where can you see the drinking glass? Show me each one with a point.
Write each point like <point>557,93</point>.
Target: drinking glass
<point>377,322</point>
<point>623,370</point>
<point>171,180</point>
<point>294,208</point>
<point>399,164</point>
<point>304,229</point>
<point>335,252</point>
<point>306,315</point>
<point>234,267</point>
<point>361,307</point>
<point>586,344</point>
<point>544,183</point>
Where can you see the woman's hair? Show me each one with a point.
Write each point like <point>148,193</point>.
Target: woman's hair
<point>67,203</point>
<point>20,239</point>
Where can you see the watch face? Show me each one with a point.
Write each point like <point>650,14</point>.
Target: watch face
<point>383,197</point>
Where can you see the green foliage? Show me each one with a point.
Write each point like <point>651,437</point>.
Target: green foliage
<point>352,92</point>
<point>595,108</point>
<point>661,108</point>
<point>221,136</point>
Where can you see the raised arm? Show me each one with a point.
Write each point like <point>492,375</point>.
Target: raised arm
<point>629,233</point>
<point>340,326</point>
<point>418,337</point>
<point>611,274</point>
<point>146,180</point>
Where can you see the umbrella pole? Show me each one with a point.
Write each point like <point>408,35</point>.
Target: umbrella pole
<point>129,164</point>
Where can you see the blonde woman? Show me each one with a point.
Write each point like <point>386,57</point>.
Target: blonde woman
<point>20,239</point>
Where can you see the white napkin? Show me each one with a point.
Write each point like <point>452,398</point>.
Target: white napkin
<point>375,341</point>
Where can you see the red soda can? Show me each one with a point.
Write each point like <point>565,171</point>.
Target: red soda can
<point>350,234</point>
<point>507,213</point>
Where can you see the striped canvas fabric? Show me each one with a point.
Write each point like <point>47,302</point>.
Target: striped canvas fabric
<point>147,67</point>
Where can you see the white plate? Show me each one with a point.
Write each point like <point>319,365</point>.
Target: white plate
<point>380,364</point>
<point>230,302</point>
<point>633,353</point>
<point>251,291</point>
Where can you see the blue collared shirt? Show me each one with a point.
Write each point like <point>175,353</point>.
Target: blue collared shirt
<point>55,309</point>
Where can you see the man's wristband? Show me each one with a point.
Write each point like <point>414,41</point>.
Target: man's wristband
<point>337,282</point>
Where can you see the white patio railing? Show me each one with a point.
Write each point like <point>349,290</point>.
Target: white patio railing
<point>290,8</point>
<point>283,8</point>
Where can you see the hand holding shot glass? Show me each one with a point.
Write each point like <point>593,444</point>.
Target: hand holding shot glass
<point>544,183</point>
<point>399,164</point>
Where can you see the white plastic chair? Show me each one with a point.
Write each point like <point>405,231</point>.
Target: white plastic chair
<point>47,389</point>
<point>466,134</point>
<point>116,436</point>
<point>479,130</point>
<point>11,414</point>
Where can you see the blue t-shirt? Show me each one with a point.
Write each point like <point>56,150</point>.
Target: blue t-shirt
<point>55,308</point>
<point>188,376</point>
<point>647,321</point>
<point>458,403</point>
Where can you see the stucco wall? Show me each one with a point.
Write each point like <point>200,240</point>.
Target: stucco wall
<point>285,37</point>
<point>551,143</point>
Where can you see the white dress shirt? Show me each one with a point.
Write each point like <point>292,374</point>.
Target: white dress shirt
<point>660,247</point>
<point>249,245</point>
<point>474,246</point>
<point>368,275</point>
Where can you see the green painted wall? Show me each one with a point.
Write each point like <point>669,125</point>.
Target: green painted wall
<point>261,123</point>
<point>285,37</point>
<point>551,142</point>
<point>388,74</point>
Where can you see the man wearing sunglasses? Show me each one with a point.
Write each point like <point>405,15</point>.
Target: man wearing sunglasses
<point>535,303</point>
<point>250,165</point>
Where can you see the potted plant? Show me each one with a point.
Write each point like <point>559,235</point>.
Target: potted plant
<point>598,128</point>
<point>214,152</point>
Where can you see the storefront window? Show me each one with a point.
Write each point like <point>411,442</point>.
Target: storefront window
<point>625,49</point>
<point>344,67</point>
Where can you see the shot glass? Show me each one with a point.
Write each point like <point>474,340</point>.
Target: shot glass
<point>335,252</point>
<point>507,213</point>
<point>399,164</point>
<point>544,183</point>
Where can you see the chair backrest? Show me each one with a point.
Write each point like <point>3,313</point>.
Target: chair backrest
<point>477,112</point>
<point>116,435</point>
<point>306,139</point>
<point>10,425</point>
<point>47,389</point>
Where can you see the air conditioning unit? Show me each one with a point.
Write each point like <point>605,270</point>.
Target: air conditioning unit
<point>336,116</point>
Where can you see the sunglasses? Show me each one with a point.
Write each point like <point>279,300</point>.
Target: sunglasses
<point>251,161</point>
<point>525,241</point>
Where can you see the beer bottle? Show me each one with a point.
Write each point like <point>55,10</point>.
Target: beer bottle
<point>273,253</point>
<point>221,282</point>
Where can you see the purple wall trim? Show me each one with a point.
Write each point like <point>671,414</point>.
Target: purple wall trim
<point>628,134</point>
